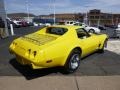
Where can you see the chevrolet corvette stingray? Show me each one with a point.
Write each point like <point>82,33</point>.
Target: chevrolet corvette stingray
<point>57,45</point>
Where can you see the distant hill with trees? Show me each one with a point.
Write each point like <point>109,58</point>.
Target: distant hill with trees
<point>11,15</point>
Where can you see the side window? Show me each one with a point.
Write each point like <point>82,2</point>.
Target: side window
<point>81,33</point>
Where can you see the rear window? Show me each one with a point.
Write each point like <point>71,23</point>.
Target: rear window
<point>56,30</point>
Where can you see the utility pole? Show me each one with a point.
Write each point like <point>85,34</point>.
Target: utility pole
<point>112,19</point>
<point>54,13</point>
<point>117,20</point>
<point>86,18</point>
<point>4,16</point>
<point>27,7</point>
<point>99,20</point>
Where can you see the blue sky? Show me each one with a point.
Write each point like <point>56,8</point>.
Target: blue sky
<point>40,7</point>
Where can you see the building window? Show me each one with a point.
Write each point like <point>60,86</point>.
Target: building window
<point>91,17</point>
<point>96,17</point>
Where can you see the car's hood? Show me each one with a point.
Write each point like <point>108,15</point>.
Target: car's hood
<point>38,39</point>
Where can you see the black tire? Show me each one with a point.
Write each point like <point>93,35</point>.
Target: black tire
<point>91,31</point>
<point>73,62</point>
<point>103,47</point>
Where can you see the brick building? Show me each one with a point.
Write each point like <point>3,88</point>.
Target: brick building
<point>96,17</point>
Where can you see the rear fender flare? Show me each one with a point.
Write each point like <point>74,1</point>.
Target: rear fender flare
<point>69,52</point>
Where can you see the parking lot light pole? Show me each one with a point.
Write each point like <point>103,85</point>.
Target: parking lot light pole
<point>54,13</point>
<point>27,6</point>
<point>86,18</point>
<point>99,19</point>
<point>12,31</point>
<point>112,19</point>
<point>4,16</point>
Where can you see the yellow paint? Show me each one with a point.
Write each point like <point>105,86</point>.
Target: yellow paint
<point>38,48</point>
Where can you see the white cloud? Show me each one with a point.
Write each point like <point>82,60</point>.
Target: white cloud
<point>58,3</point>
<point>108,2</point>
<point>64,6</point>
<point>105,5</point>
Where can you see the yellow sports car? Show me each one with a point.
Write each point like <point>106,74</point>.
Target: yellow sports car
<point>57,46</point>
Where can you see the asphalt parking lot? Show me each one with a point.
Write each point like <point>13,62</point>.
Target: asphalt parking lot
<point>105,64</point>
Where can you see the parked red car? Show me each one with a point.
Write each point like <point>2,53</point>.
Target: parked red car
<point>24,23</point>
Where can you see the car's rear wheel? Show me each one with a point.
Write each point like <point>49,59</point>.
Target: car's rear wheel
<point>73,62</point>
<point>92,31</point>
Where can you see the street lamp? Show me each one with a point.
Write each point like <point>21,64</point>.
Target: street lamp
<point>86,16</point>
<point>52,4</point>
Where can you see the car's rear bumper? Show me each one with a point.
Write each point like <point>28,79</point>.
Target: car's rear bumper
<point>24,61</point>
<point>27,61</point>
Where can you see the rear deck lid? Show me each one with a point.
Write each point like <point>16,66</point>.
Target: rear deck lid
<point>39,39</point>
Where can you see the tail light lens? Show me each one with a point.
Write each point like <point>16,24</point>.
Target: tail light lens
<point>34,53</point>
<point>31,53</point>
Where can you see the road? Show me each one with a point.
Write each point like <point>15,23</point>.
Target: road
<point>94,65</point>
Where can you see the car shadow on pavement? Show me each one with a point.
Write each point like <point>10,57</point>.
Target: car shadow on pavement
<point>100,64</point>
<point>105,64</point>
<point>29,73</point>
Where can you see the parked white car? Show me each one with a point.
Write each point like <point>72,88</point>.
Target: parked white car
<point>118,31</point>
<point>35,24</point>
<point>92,29</point>
<point>71,22</point>
<point>118,28</point>
<point>47,24</point>
<point>88,28</point>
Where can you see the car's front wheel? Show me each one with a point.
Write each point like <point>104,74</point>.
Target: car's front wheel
<point>73,62</point>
